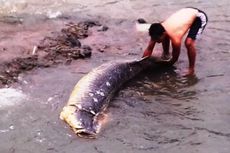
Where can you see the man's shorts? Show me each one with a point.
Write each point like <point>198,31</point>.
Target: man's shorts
<point>198,25</point>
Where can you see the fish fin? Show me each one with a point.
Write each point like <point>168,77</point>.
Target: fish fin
<point>143,58</point>
<point>149,59</point>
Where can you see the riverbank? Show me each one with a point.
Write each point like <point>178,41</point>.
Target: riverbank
<point>159,111</point>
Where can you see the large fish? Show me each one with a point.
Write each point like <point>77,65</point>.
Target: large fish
<point>92,94</point>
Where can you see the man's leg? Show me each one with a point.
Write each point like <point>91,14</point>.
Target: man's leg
<point>191,50</point>
<point>195,30</point>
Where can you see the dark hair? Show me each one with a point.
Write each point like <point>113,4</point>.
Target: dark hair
<point>156,30</point>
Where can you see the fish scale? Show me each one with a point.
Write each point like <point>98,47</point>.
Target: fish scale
<point>92,93</point>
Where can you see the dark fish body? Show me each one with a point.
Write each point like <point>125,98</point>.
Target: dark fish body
<point>92,94</point>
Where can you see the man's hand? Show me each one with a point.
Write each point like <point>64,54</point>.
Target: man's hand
<point>147,53</point>
<point>165,57</point>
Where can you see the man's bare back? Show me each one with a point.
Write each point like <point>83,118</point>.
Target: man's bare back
<point>178,23</point>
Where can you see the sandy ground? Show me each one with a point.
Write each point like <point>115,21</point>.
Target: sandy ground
<point>159,111</point>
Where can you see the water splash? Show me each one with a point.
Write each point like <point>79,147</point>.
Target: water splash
<point>10,97</point>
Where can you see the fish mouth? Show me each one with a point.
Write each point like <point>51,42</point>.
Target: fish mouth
<point>83,123</point>
<point>84,133</point>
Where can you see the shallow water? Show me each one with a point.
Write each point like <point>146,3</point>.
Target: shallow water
<point>158,111</point>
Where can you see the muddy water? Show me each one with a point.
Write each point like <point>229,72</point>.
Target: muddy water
<point>158,111</point>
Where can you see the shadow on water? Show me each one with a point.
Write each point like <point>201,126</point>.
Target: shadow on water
<point>149,103</point>
<point>164,82</point>
<point>160,93</point>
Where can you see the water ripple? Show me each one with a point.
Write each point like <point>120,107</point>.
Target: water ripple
<point>166,84</point>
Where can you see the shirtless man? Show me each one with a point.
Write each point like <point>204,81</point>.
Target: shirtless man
<point>173,29</point>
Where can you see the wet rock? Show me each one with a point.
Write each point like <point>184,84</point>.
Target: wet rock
<point>73,42</point>
<point>90,23</point>
<point>103,28</point>
<point>68,62</point>
<point>67,43</point>
<point>3,49</point>
<point>11,19</point>
<point>102,48</point>
<point>87,51</point>
<point>9,71</point>
<point>141,20</point>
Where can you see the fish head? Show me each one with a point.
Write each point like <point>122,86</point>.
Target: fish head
<point>87,125</point>
<point>82,122</point>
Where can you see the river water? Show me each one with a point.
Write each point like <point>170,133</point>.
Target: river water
<point>158,111</point>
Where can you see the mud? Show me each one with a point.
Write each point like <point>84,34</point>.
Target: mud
<point>59,48</point>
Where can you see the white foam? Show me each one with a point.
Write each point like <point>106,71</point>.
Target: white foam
<point>53,14</point>
<point>143,27</point>
<point>11,97</point>
<point>108,84</point>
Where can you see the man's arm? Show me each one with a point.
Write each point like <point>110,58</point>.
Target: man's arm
<point>148,51</point>
<point>175,52</point>
<point>165,45</point>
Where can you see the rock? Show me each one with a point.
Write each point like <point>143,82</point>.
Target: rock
<point>103,28</point>
<point>86,51</point>
<point>141,20</point>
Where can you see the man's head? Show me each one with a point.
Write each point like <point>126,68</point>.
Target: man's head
<point>156,32</point>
